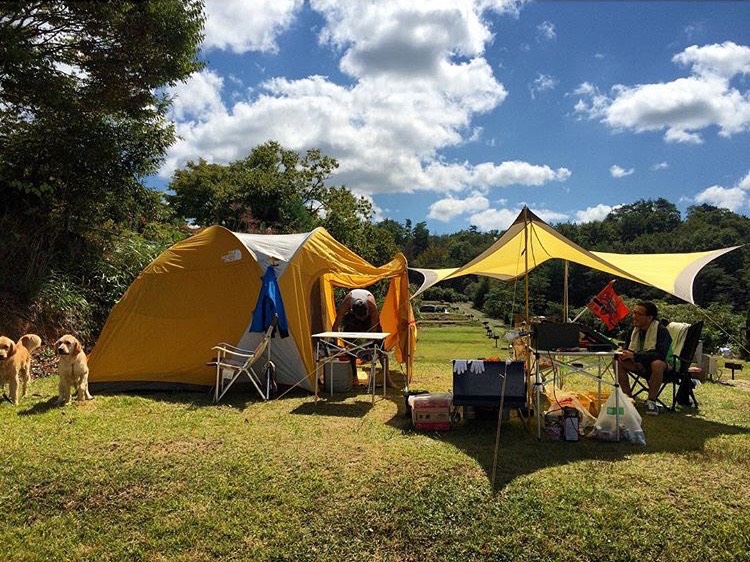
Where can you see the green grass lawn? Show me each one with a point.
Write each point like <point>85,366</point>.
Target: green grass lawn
<point>173,477</point>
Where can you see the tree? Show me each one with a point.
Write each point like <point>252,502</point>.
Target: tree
<point>83,116</point>
<point>644,217</point>
<point>275,189</point>
<point>420,238</point>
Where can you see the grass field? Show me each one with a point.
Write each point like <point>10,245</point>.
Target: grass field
<point>173,477</point>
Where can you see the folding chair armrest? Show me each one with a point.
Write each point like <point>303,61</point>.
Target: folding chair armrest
<point>227,347</point>
<point>233,351</point>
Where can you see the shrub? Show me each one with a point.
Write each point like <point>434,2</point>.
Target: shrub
<point>61,306</point>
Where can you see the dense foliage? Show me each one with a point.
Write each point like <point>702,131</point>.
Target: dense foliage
<point>82,122</point>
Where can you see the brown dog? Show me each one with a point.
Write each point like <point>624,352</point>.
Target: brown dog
<point>73,370</point>
<point>15,363</point>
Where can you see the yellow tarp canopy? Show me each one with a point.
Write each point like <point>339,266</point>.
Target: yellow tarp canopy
<point>529,242</point>
<point>202,291</point>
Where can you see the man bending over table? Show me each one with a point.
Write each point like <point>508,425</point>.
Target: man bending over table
<point>646,354</point>
<point>358,312</point>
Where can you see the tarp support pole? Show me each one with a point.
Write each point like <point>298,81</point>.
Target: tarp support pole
<point>565,293</point>
<point>526,262</point>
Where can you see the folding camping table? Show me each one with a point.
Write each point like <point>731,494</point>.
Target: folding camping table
<point>569,361</point>
<point>332,345</point>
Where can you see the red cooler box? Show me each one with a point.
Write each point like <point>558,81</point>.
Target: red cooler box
<point>431,412</point>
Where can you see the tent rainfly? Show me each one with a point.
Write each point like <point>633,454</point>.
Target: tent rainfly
<point>529,242</point>
<point>202,291</point>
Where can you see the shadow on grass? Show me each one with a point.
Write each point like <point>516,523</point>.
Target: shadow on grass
<point>40,407</point>
<point>520,452</point>
<point>192,397</point>
<point>241,396</point>
<point>334,406</point>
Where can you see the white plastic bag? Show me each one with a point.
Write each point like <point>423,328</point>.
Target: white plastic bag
<point>630,420</point>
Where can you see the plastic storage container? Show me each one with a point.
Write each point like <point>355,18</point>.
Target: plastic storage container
<point>340,372</point>
<point>431,412</point>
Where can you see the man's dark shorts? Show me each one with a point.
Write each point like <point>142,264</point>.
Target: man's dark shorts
<point>644,368</point>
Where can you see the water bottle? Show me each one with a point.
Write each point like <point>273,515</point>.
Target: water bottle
<point>570,424</point>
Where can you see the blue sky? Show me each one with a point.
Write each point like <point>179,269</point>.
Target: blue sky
<point>458,113</point>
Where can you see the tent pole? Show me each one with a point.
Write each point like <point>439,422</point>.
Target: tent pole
<point>565,293</point>
<point>499,425</point>
<point>526,261</point>
<point>526,290</point>
<point>408,357</point>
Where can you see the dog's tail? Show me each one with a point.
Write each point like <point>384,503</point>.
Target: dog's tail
<point>30,341</point>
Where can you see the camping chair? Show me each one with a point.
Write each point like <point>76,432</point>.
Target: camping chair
<point>232,362</point>
<point>677,374</point>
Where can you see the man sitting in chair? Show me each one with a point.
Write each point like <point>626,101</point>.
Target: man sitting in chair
<point>358,312</point>
<point>646,354</point>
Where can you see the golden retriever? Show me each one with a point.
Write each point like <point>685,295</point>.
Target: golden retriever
<point>73,370</point>
<point>15,363</point>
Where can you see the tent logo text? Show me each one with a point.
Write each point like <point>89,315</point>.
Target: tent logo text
<point>234,255</point>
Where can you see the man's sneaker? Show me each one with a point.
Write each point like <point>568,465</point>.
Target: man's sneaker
<point>652,408</point>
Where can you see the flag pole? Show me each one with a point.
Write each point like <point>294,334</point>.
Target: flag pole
<point>585,308</point>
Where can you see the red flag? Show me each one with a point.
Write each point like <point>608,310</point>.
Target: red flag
<point>608,306</point>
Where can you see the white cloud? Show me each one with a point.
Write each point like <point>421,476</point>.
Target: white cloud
<point>550,216</point>
<point>242,26</point>
<point>546,31</point>
<point>483,176</point>
<point>388,127</point>
<point>494,219</point>
<point>618,172</point>
<point>725,60</point>
<point>197,98</point>
<point>681,136</point>
<point>659,166</point>
<point>732,198</point>
<point>682,107</point>
<point>500,219</point>
<point>591,214</point>
<point>542,83</point>
<point>445,209</point>
<point>517,172</point>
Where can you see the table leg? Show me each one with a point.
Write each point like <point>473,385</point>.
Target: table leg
<point>538,399</point>
<point>617,398</point>
<point>317,377</point>
<point>386,373</point>
<point>218,375</point>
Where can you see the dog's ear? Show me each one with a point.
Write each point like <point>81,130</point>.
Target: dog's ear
<point>11,348</point>
<point>76,347</point>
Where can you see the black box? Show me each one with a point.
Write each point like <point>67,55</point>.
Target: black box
<point>478,383</point>
<point>549,336</point>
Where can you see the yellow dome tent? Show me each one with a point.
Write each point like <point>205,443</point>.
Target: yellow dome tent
<point>202,291</point>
